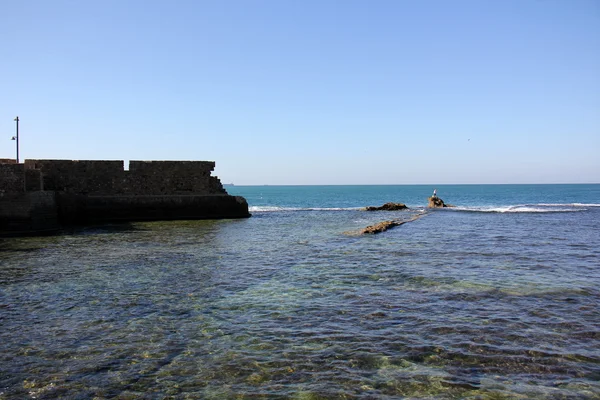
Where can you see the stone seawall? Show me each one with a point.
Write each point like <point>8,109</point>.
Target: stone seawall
<point>77,209</point>
<point>12,179</point>
<point>101,177</point>
<point>45,195</point>
<point>32,212</point>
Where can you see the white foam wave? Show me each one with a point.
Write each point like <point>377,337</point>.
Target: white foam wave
<point>524,208</point>
<point>265,208</point>
<point>569,204</point>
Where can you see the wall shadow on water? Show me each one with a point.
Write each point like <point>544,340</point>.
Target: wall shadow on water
<point>124,227</point>
<point>34,242</point>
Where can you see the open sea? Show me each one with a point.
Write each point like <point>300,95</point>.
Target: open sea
<point>497,298</point>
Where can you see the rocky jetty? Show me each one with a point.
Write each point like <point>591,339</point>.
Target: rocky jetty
<point>379,227</point>
<point>385,225</point>
<point>388,207</point>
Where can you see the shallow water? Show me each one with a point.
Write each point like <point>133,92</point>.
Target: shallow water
<point>287,304</point>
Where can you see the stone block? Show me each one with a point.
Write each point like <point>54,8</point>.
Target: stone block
<point>12,178</point>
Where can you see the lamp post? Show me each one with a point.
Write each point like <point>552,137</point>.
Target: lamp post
<point>16,137</point>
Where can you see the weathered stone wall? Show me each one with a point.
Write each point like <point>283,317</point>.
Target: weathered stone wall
<point>12,178</point>
<point>8,161</point>
<point>79,176</point>
<point>77,209</point>
<point>28,212</point>
<point>143,178</point>
<point>33,180</point>
<point>171,177</point>
<point>38,195</point>
<point>43,211</point>
<point>15,205</point>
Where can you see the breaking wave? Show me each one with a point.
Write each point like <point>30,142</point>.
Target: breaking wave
<point>528,208</point>
<point>570,205</point>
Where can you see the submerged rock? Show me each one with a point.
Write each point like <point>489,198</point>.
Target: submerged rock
<point>385,225</point>
<point>388,207</point>
<point>379,227</point>
<point>376,314</point>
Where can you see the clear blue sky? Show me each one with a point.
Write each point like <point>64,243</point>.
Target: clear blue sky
<point>310,92</point>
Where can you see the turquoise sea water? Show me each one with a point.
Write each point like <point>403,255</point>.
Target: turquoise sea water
<point>490,197</point>
<point>496,298</point>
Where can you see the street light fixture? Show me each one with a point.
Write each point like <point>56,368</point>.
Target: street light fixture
<point>16,137</point>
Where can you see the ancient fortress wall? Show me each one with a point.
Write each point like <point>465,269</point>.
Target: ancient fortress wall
<point>12,178</point>
<point>172,177</point>
<point>79,176</point>
<point>28,212</point>
<point>93,177</point>
<point>90,191</point>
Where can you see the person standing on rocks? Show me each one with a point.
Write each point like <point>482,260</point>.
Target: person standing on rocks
<point>434,193</point>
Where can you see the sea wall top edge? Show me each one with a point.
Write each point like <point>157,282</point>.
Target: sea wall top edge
<point>161,177</point>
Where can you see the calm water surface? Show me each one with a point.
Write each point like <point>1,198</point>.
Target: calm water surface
<point>291,303</point>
